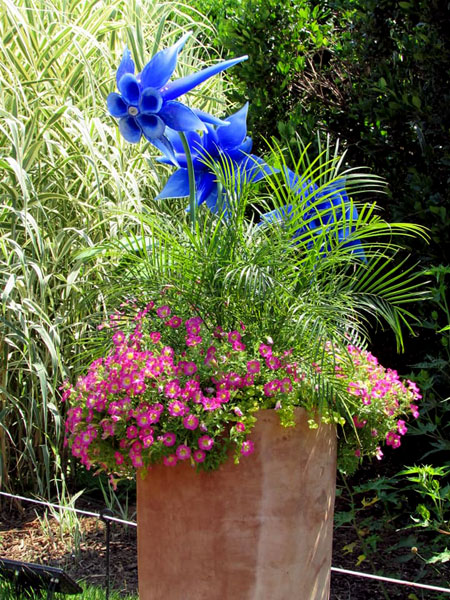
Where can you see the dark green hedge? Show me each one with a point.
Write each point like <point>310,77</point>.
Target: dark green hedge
<point>376,75</point>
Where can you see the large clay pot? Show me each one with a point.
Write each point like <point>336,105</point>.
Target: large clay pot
<point>260,530</point>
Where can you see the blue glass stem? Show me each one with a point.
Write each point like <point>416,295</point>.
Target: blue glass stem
<point>190,168</point>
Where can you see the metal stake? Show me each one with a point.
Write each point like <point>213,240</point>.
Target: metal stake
<point>107,512</point>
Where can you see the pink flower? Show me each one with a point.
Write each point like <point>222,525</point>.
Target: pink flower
<point>359,424</point>
<point>238,346</point>
<point>358,453</point>
<point>218,332</point>
<point>265,350</point>
<point>183,452</point>
<point>286,385</point>
<point>392,439</point>
<point>378,453</point>
<point>136,446</point>
<point>210,404</point>
<point>193,340</point>
<point>167,351</point>
<point>247,447</point>
<point>199,456</point>
<point>137,460</point>
<point>253,366</point>
<point>174,322</point>
<point>132,432</point>
<point>240,426</point>
<point>171,460</point>
<point>271,387</point>
<point>189,368</point>
<point>401,427</point>
<point>234,336</point>
<point>163,312</point>
<point>169,439</point>
<point>177,408</point>
<point>223,396</point>
<point>273,362</point>
<point>118,458</point>
<point>205,442</point>
<point>415,410</point>
<point>118,338</point>
<point>190,422</point>
<point>172,389</point>
<point>147,441</point>
<point>193,325</point>
<point>155,336</point>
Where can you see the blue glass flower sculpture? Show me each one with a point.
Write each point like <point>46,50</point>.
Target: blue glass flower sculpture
<point>147,102</point>
<point>322,209</point>
<point>222,144</point>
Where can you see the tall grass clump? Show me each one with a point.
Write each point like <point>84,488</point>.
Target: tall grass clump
<point>63,169</point>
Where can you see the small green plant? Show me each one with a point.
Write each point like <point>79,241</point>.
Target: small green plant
<point>429,483</point>
<point>116,500</point>
<point>69,526</point>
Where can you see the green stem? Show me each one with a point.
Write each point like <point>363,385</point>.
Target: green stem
<point>190,168</point>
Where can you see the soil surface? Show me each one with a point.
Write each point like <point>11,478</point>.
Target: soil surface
<point>28,534</point>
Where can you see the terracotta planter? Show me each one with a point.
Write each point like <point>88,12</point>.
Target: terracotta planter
<point>260,530</point>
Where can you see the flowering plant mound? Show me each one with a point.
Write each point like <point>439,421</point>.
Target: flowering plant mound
<point>172,388</point>
<point>381,398</point>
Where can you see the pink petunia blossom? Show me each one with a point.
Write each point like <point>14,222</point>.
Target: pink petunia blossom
<point>414,410</point>
<point>163,312</point>
<point>401,427</point>
<point>265,350</point>
<point>183,452</point>
<point>199,456</point>
<point>247,447</point>
<point>171,460</point>
<point>169,439</point>
<point>205,442</point>
<point>190,422</point>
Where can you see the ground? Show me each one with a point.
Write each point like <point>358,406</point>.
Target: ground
<point>27,535</point>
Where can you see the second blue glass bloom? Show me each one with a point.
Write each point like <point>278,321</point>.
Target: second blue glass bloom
<point>147,102</point>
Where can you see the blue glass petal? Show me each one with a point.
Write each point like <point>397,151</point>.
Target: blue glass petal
<point>116,106</point>
<point>175,89</point>
<point>152,126</point>
<point>301,187</point>
<point>151,101</point>
<point>177,186</point>
<point>179,117</point>
<point>130,129</point>
<point>129,88</point>
<point>205,184</point>
<point>211,142</point>
<point>126,65</point>
<point>158,71</point>
<point>239,153</point>
<point>177,149</point>
<point>207,118</point>
<point>235,133</point>
<point>165,146</point>
<point>256,168</point>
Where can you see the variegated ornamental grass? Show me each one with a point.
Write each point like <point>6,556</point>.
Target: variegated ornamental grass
<point>67,182</point>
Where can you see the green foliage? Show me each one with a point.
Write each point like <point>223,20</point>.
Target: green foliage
<point>377,78</point>
<point>379,512</point>
<point>8,592</point>
<point>290,44</point>
<point>63,167</point>
<point>434,510</point>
